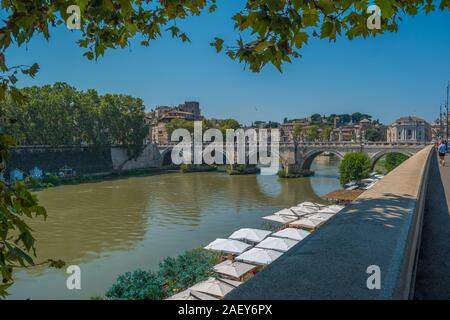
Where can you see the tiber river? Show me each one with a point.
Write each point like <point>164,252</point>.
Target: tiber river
<point>111,227</point>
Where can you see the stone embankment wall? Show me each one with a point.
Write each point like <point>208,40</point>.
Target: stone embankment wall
<point>86,160</point>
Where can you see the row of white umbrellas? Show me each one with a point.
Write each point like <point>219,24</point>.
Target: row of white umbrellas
<point>257,247</point>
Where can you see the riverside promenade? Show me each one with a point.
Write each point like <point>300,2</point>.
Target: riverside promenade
<point>382,229</point>
<point>433,269</point>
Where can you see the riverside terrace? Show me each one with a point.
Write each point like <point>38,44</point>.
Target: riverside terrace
<point>382,228</point>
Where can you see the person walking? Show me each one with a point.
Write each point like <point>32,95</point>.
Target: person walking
<point>442,149</point>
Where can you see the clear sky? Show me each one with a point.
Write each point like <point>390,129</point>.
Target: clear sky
<point>394,75</point>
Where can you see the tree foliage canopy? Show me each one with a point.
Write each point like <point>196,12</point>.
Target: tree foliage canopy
<point>78,117</point>
<point>354,167</point>
<point>270,31</point>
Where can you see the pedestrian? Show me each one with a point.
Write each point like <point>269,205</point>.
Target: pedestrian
<point>442,150</point>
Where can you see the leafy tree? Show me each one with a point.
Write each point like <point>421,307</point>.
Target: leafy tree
<point>325,133</point>
<point>179,123</point>
<point>229,124</point>
<point>372,134</point>
<point>312,133</point>
<point>354,167</point>
<point>358,116</point>
<point>316,118</point>
<point>17,206</point>
<point>270,31</point>
<point>393,160</point>
<point>78,117</point>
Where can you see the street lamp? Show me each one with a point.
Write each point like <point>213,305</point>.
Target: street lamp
<point>446,112</point>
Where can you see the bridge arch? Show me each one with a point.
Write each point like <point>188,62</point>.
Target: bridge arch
<point>166,157</point>
<point>377,156</point>
<point>311,155</point>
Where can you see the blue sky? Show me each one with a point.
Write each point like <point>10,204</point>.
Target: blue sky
<point>398,74</point>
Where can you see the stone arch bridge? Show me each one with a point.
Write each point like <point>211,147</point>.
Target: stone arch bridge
<point>299,157</point>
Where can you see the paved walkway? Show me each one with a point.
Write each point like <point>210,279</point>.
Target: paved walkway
<point>433,271</point>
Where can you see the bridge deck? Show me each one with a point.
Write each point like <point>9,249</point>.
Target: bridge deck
<point>433,270</point>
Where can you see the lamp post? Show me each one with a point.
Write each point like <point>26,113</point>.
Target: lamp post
<point>446,112</point>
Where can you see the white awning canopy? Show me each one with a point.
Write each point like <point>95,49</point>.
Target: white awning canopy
<point>292,233</point>
<point>280,218</point>
<point>285,212</point>
<point>307,223</point>
<point>234,269</point>
<point>310,204</point>
<point>214,287</point>
<point>228,246</point>
<point>259,256</point>
<point>191,295</point>
<point>278,244</point>
<point>249,234</point>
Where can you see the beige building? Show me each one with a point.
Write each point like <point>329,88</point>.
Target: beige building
<point>157,119</point>
<point>409,129</point>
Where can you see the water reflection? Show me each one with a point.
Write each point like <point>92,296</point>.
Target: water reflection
<point>116,226</point>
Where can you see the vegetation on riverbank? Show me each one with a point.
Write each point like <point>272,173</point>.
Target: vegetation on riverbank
<point>52,180</point>
<point>354,167</point>
<point>78,118</point>
<point>282,174</point>
<point>174,275</point>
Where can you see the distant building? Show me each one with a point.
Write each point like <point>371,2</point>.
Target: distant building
<point>158,118</point>
<point>287,128</point>
<point>409,129</point>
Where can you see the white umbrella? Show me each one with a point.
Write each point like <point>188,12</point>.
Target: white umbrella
<point>213,287</point>
<point>228,246</point>
<point>183,295</point>
<point>285,212</point>
<point>321,216</point>
<point>259,256</point>
<point>249,234</point>
<point>233,269</point>
<point>311,204</point>
<point>280,218</point>
<point>233,283</point>
<point>278,244</point>
<point>292,233</point>
<point>303,210</point>
<point>191,295</point>
<point>307,223</point>
<point>331,209</point>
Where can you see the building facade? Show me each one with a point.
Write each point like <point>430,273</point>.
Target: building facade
<point>158,118</point>
<point>409,129</point>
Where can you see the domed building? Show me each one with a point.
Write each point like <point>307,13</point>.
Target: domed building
<point>409,129</point>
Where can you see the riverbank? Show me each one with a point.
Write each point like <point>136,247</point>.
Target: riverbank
<point>52,180</point>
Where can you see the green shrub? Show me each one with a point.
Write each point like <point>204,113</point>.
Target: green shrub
<point>354,167</point>
<point>53,179</point>
<point>137,285</point>
<point>281,173</point>
<point>174,275</point>
<point>184,168</point>
<point>393,160</point>
<point>187,269</point>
